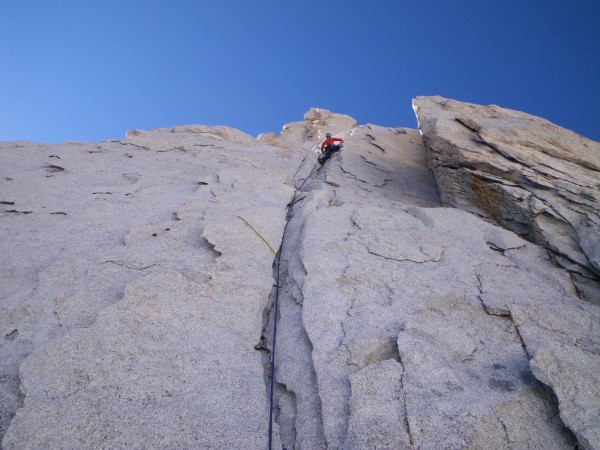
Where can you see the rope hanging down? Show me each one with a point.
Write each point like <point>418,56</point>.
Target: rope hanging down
<point>278,262</point>
<point>288,217</point>
<point>277,285</point>
<point>273,354</point>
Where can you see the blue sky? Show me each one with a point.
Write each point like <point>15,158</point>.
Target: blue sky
<point>89,70</point>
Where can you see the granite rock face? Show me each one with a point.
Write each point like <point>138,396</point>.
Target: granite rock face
<point>135,291</point>
<point>140,285</point>
<point>398,310</point>
<point>527,174</point>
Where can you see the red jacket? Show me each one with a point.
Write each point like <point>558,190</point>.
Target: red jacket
<point>328,141</point>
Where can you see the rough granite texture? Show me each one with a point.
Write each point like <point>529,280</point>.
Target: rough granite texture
<point>135,298</point>
<point>135,291</point>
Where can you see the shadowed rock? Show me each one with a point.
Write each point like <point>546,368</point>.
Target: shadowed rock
<point>527,174</point>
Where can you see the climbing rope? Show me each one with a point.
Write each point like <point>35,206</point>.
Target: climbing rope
<point>288,217</point>
<point>315,170</point>
<point>273,351</point>
<point>278,261</point>
<point>277,285</point>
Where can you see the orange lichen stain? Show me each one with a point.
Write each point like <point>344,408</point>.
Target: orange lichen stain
<point>485,197</point>
<point>64,298</point>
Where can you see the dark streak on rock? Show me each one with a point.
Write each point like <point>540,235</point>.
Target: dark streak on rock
<point>14,211</point>
<point>54,169</point>
<point>171,149</point>
<point>406,259</point>
<point>124,264</point>
<point>12,335</point>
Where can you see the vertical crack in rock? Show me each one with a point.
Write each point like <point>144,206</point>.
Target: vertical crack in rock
<point>297,405</point>
<point>566,364</point>
<point>545,391</point>
<point>404,405</point>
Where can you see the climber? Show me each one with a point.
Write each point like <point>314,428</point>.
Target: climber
<point>328,147</point>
